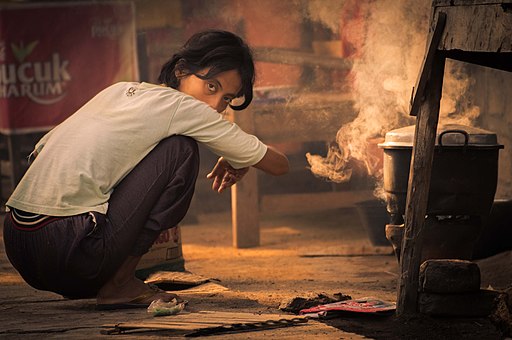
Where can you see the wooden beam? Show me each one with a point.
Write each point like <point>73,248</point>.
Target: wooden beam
<point>309,202</point>
<point>418,190</point>
<point>310,117</point>
<point>291,57</point>
<point>421,83</point>
<point>499,61</point>
<point>477,28</point>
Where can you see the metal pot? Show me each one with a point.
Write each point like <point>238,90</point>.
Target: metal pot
<point>464,170</point>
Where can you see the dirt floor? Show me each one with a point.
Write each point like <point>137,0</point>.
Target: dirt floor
<point>299,256</point>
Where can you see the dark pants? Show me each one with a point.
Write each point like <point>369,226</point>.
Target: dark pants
<point>76,255</point>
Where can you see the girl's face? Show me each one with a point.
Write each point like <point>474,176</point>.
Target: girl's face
<point>217,92</point>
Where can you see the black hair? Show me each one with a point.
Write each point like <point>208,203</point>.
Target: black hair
<point>217,50</point>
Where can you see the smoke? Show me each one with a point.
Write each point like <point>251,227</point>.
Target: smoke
<point>457,103</point>
<point>326,12</point>
<point>385,71</point>
<point>386,42</point>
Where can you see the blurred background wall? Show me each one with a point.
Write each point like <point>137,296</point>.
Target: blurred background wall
<point>332,78</point>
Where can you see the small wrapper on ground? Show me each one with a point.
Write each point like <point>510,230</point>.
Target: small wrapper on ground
<point>162,308</point>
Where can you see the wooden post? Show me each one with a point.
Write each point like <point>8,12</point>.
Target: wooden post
<point>418,189</point>
<point>244,197</point>
<point>245,212</point>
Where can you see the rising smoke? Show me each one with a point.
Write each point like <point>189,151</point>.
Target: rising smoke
<point>385,72</point>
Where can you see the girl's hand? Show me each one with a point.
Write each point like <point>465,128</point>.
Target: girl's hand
<point>224,175</point>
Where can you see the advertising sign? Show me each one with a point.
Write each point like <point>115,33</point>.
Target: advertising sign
<point>54,57</point>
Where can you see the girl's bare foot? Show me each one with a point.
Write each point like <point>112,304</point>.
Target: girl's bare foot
<point>124,290</point>
<point>132,291</point>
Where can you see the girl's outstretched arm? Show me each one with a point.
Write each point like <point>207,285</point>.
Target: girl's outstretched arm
<point>274,162</point>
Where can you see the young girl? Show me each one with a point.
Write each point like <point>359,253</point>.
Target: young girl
<point>104,183</point>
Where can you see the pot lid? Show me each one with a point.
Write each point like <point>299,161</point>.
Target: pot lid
<point>447,134</point>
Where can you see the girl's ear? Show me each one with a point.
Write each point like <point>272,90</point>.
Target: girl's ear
<point>179,74</point>
<point>180,70</point>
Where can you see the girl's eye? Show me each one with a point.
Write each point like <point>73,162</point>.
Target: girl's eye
<point>227,99</point>
<point>211,87</point>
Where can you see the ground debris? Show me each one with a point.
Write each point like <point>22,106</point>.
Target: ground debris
<point>296,304</point>
<point>502,316</point>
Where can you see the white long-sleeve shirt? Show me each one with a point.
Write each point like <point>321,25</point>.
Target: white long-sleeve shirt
<point>80,161</point>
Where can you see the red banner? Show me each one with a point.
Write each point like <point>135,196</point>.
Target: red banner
<point>55,57</point>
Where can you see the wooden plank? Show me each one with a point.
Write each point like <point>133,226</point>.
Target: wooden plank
<point>477,28</point>
<point>176,277</point>
<point>291,57</point>
<point>244,197</point>
<point>201,319</point>
<point>204,289</point>
<point>252,316</point>
<point>308,117</point>
<point>310,202</point>
<point>500,61</point>
<point>349,251</point>
<point>438,3</point>
<point>418,189</point>
<point>188,326</point>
